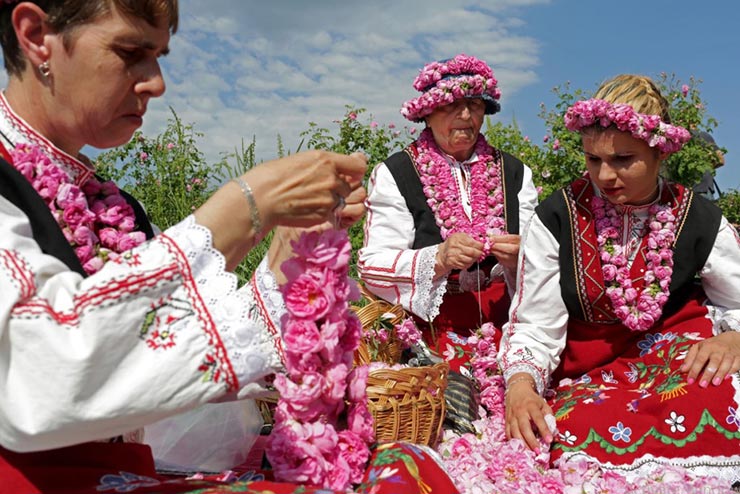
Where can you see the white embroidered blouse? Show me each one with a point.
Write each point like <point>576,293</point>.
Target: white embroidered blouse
<point>389,266</point>
<point>161,330</point>
<point>540,313</point>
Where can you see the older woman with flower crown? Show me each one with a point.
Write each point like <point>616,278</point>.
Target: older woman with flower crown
<point>104,327</point>
<point>444,214</point>
<point>628,305</point>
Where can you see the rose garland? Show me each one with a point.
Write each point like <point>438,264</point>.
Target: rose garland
<point>637,310</point>
<point>320,335</point>
<point>443,195</point>
<point>650,128</point>
<point>95,218</point>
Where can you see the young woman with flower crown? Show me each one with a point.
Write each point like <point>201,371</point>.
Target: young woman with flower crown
<point>444,214</point>
<point>106,328</point>
<point>627,305</point>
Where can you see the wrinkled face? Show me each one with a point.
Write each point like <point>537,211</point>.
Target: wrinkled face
<point>624,168</point>
<point>456,126</point>
<point>101,84</point>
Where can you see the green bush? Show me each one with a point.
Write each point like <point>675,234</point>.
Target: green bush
<point>171,178</point>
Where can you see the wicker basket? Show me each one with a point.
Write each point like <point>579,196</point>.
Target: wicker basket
<point>408,404</point>
<point>369,315</point>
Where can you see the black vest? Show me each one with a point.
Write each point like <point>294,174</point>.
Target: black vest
<point>46,232</point>
<point>696,233</point>
<point>409,184</point>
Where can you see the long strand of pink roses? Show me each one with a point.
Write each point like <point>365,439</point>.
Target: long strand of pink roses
<point>320,335</point>
<point>637,310</point>
<point>96,220</point>
<point>443,194</point>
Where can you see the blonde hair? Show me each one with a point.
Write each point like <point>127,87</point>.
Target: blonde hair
<point>638,91</point>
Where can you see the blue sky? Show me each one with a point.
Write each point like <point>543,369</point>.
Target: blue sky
<point>244,68</point>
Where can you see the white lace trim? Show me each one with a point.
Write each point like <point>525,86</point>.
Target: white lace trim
<point>269,291</point>
<point>430,292</point>
<point>528,369</point>
<point>723,468</point>
<point>248,343</point>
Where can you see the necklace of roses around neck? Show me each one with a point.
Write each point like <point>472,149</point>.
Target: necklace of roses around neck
<point>638,310</point>
<point>94,217</point>
<point>444,195</point>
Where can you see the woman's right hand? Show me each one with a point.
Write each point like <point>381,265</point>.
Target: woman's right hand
<point>305,188</point>
<point>525,407</point>
<point>300,190</point>
<point>458,251</point>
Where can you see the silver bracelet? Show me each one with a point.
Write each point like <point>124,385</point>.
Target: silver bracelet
<point>518,380</point>
<point>254,212</point>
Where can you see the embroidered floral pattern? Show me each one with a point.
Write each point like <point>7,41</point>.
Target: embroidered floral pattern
<point>733,417</point>
<point>620,432</point>
<point>157,328</point>
<point>675,421</point>
<point>125,482</point>
<point>653,342</point>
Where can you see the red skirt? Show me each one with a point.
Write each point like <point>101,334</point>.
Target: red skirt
<point>623,401</point>
<point>460,315</point>
<point>95,468</point>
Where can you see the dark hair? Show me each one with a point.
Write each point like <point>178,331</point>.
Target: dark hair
<point>66,15</point>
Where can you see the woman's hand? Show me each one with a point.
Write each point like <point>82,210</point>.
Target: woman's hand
<point>304,189</point>
<point>714,358</point>
<point>301,190</point>
<point>458,251</point>
<point>524,407</point>
<point>280,245</point>
<point>506,249</point>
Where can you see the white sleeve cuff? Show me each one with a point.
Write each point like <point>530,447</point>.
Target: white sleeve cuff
<point>249,344</point>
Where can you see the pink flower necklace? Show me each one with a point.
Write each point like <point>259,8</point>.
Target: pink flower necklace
<point>320,335</point>
<point>95,218</point>
<point>443,194</point>
<point>637,310</point>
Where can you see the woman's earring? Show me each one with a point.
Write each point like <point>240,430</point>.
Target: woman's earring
<point>44,69</point>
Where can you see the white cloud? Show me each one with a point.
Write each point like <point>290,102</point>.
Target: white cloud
<point>240,68</point>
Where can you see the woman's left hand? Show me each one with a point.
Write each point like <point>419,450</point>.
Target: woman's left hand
<point>714,358</point>
<point>506,249</point>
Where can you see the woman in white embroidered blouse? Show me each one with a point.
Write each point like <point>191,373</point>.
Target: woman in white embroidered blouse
<point>444,215</point>
<point>92,349</point>
<point>628,305</point>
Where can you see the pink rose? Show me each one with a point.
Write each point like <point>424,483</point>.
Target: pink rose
<point>302,336</point>
<point>108,237</point>
<point>92,187</point>
<point>293,458</point>
<point>112,215</point>
<point>339,475</point>
<point>75,215</point>
<point>355,453</point>
<point>360,421</point>
<point>93,265</point>
<point>84,236</point>
<point>308,296</point>
<point>127,241</point>
<point>357,389</point>
<point>328,249</point>
<point>108,188</point>
<point>302,400</point>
